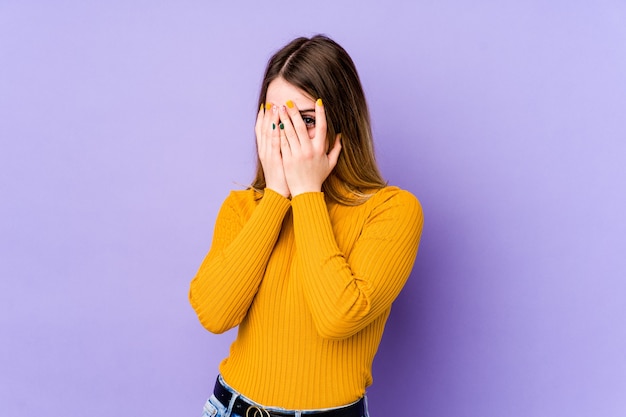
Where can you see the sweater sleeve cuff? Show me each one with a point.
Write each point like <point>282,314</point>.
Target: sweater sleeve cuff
<point>309,203</point>
<point>275,201</point>
<point>312,222</point>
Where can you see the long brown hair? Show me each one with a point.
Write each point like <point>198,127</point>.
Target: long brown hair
<point>323,69</point>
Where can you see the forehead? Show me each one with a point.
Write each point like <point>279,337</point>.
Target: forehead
<point>279,91</point>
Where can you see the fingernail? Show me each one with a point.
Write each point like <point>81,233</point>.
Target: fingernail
<point>282,126</point>
<point>261,108</point>
<point>268,106</point>
<point>274,109</point>
<point>319,102</point>
<point>290,104</point>
<point>273,126</point>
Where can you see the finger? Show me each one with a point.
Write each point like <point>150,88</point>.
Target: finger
<point>275,132</point>
<point>285,145</point>
<point>296,119</point>
<point>269,116</point>
<point>258,126</point>
<point>287,126</point>
<point>270,125</point>
<point>320,124</point>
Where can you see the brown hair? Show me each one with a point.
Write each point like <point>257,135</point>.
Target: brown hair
<point>323,69</point>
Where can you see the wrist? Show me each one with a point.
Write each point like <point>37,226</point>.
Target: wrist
<point>305,190</point>
<point>278,191</point>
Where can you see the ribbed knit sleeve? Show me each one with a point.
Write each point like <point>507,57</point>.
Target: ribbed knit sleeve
<point>243,239</point>
<point>345,294</point>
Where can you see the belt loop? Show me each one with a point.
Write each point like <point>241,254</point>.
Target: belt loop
<point>367,411</point>
<point>231,404</point>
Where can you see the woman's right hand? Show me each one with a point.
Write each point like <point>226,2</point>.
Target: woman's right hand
<point>268,148</point>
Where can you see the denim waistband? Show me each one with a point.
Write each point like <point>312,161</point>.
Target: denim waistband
<point>239,404</point>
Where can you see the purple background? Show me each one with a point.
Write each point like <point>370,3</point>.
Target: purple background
<point>123,126</point>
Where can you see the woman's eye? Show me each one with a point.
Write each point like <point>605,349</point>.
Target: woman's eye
<point>309,121</point>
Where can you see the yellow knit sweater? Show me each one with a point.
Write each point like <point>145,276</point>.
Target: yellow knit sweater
<point>310,284</point>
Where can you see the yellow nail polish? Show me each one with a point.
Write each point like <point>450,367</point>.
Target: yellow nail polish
<point>268,106</point>
<point>289,104</point>
<point>262,105</point>
<point>319,102</point>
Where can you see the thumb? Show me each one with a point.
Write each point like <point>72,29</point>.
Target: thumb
<point>333,155</point>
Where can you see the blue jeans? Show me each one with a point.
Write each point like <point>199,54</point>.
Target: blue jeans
<point>214,408</point>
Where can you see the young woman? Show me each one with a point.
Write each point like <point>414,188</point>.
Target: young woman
<point>308,260</point>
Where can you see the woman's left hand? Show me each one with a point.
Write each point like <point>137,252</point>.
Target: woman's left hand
<point>306,161</point>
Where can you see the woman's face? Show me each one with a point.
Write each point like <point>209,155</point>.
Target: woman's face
<point>280,91</point>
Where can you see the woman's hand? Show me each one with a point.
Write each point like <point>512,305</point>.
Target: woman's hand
<point>306,162</point>
<point>268,148</point>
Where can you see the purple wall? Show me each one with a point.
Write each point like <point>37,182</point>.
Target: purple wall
<point>123,127</point>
